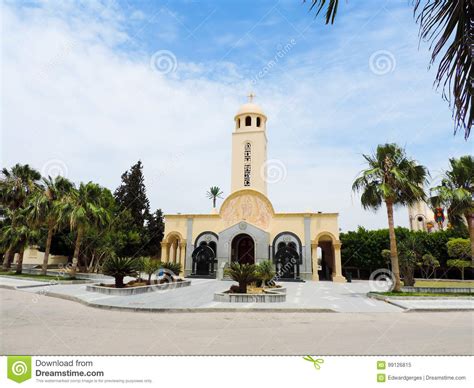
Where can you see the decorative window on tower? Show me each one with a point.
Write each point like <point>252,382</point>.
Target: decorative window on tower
<point>247,163</point>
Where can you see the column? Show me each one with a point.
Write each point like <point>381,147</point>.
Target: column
<point>337,275</point>
<point>182,257</point>
<point>171,253</point>
<point>164,251</point>
<point>178,252</point>
<point>314,261</point>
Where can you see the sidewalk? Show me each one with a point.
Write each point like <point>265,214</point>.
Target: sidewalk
<point>304,297</point>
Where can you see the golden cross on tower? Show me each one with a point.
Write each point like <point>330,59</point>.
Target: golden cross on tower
<point>251,96</point>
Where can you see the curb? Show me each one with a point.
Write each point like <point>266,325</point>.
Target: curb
<point>417,309</point>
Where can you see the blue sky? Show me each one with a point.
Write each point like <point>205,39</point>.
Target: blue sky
<point>83,93</point>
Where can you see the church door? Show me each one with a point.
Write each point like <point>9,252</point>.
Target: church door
<point>243,249</point>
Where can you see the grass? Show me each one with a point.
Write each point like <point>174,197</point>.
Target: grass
<point>443,284</point>
<point>425,294</point>
<point>35,277</point>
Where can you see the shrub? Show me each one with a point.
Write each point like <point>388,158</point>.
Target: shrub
<point>265,272</point>
<point>150,266</point>
<point>119,267</point>
<point>173,267</point>
<point>243,274</point>
<point>459,248</point>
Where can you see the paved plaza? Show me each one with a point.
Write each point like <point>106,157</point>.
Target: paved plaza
<point>310,296</point>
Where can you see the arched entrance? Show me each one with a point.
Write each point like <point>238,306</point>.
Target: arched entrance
<point>287,261</point>
<point>243,249</point>
<point>204,259</point>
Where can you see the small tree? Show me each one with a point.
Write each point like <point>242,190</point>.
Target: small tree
<point>428,265</point>
<point>459,264</point>
<point>244,274</point>
<point>265,272</point>
<point>214,193</point>
<point>150,266</point>
<point>119,267</point>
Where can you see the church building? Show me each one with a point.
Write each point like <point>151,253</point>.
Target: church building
<point>246,228</point>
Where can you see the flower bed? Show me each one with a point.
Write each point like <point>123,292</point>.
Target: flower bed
<point>136,288</point>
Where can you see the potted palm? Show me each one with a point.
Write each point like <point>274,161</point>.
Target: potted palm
<point>265,272</point>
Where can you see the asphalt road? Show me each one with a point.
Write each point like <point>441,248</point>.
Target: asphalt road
<point>49,326</point>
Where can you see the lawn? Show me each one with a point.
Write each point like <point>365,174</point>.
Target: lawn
<point>443,284</point>
<point>36,277</point>
<point>425,294</point>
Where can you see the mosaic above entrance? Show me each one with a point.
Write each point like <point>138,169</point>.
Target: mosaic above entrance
<point>248,207</point>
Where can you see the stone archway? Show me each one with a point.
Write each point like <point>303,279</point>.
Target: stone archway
<point>243,249</point>
<point>328,265</point>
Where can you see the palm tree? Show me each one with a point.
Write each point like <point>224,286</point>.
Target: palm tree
<point>243,274</point>
<point>16,186</point>
<point>85,207</point>
<point>394,179</point>
<point>19,235</point>
<point>448,26</point>
<point>45,208</point>
<point>214,193</point>
<point>456,193</point>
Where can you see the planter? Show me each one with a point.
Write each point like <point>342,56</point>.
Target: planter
<point>266,297</point>
<point>439,290</point>
<point>137,290</point>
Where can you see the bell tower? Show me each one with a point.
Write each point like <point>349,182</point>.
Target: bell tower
<point>249,148</point>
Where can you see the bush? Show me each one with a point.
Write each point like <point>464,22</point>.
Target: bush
<point>173,267</point>
<point>243,274</point>
<point>459,248</point>
<point>265,272</point>
<point>119,267</point>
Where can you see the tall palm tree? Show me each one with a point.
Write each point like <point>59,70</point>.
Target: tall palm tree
<point>456,193</point>
<point>84,208</point>
<point>16,186</point>
<point>214,193</point>
<point>394,179</point>
<point>448,26</point>
<point>46,207</point>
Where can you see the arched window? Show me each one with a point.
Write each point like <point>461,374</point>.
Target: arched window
<point>238,123</point>
<point>248,121</point>
<point>292,245</point>
<point>258,121</point>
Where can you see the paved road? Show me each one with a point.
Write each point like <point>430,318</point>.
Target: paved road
<point>32,324</point>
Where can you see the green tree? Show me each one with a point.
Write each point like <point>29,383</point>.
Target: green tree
<point>456,193</point>
<point>86,207</point>
<point>16,186</point>
<point>394,179</point>
<point>244,274</point>
<point>265,272</point>
<point>119,267</point>
<point>448,26</point>
<point>45,208</point>
<point>150,266</point>
<point>154,229</point>
<point>213,193</point>
<point>19,235</point>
